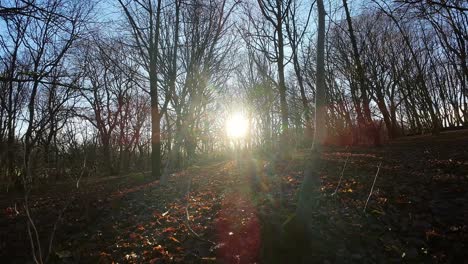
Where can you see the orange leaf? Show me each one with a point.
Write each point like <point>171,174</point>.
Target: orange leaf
<point>174,239</point>
<point>159,248</point>
<point>169,229</point>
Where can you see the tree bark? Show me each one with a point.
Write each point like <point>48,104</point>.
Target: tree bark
<point>363,84</point>
<point>155,115</point>
<point>310,188</point>
<point>282,82</point>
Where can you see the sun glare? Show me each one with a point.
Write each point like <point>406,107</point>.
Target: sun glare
<point>237,126</point>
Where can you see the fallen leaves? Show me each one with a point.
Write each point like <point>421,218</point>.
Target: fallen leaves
<point>416,212</point>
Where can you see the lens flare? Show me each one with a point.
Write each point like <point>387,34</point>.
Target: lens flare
<point>237,126</point>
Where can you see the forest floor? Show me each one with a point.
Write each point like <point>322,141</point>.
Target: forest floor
<point>418,211</point>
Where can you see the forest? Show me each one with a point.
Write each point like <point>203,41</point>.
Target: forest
<point>233,131</point>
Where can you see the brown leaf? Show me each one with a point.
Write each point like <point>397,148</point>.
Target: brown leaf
<point>174,239</point>
<point>169,230</point>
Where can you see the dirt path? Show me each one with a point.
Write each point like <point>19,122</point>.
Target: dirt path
<point>417,212</point>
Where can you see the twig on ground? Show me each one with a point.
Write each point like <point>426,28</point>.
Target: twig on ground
<point>81,173</point>
<point>187,219</point>
<point>52,235</point>
<point>33,248</point>
<point>34,236</point>
<point>372,188</point>
<point>341,176</point>
<point>34,240</point>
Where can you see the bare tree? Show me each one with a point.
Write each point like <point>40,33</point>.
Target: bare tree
<point>144,19</point>
<point>310,187</point>
<point>275,12</point>
<point>296,36</point>
<point>107,86</point>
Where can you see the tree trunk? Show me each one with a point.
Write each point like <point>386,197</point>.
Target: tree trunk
<point>282,86</point>
<point>28,136</point>
<point>310,188</point>
<point>363,84</point>
<point>155,115</point>
<point>106,149</point>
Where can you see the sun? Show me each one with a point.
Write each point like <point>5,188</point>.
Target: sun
<point>237,126</point>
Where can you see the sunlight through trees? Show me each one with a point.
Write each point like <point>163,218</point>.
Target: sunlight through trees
<point>92,89</point>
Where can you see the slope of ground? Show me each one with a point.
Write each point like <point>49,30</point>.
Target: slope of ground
<point>234,212</point>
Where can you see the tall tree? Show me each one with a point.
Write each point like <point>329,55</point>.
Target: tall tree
<point>275,12</point>
<point>419,64</point>
<point>310,188</point>
<point>144,19</point>
<point>364,118</point>
<point>295,37</point>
